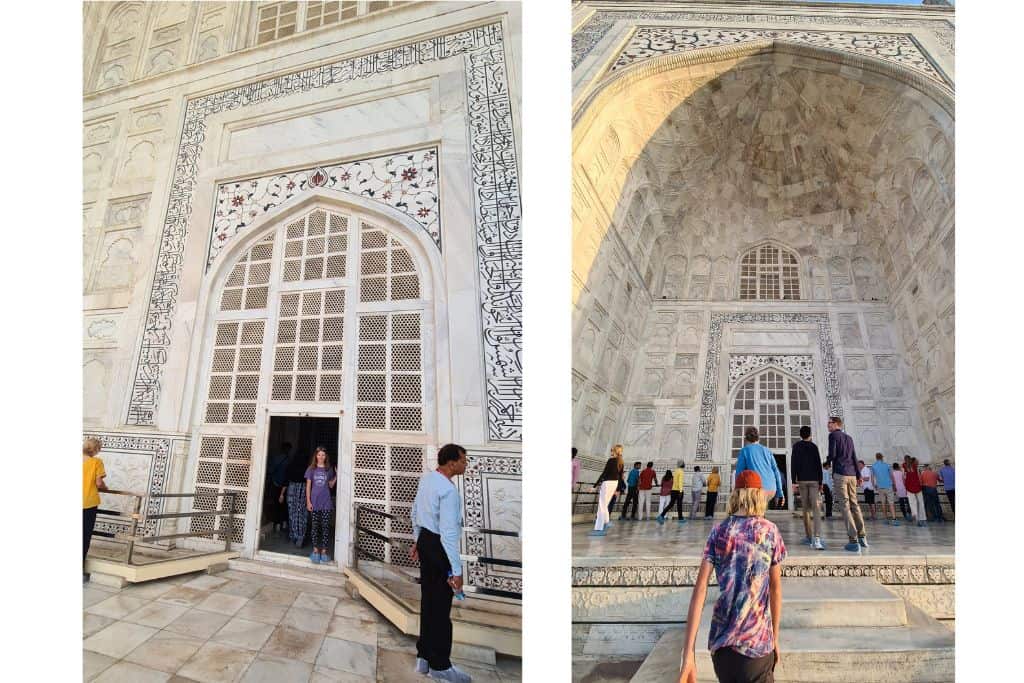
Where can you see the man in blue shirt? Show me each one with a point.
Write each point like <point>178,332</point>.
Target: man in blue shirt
<point>846,478</point>
<point>437,530</point>
<point>881,477</point>
<point>948,476</point>
<point>754,456</point>
<point>633,491</point>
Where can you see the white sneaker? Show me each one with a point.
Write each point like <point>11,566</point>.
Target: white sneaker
<point>818,545</point>
<point>451,674</point>
<point>421,666</point>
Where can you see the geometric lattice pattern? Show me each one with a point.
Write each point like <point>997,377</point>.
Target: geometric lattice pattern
<point>386,477</point>
<point>234,373</point>
<point>386,271</point>
<point>389,379</point>
<point>323,13</point>
<point>768,273</point>
<point>223,465</point>
<point>310,343</point>
<point>773,403</point>
<point>276,20</point>
<point>246,286</point>
<point>315,247</point>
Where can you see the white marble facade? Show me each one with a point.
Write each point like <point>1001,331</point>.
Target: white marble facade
<point>202,133</point>
<point>703,132</point>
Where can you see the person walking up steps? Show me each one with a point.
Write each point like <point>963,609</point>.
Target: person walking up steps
<point>843,458</point>
<point>827,486</point>
<point>677,495</point>
<point>714,481</point>
<point>884,488</point>
<point>647,478</point>
<point>746,552</point>
<point>665,495</point>
<point>606,485</point>
<point>901,491</point>
<point>948,476</point>
<point>437,531</point>
<point>754,456</point>
<point>696,489</point>
<point>93,481</point>
<point>912,480</point>
<point>320,479</point>
<point>633,488</point>
<point>807,476</point>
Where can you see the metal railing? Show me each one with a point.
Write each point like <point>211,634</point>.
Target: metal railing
<point>407,543</point>
<point>588,504</point>
<point>139,517</point>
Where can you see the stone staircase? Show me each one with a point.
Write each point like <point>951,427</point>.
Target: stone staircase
<point>852,630</point>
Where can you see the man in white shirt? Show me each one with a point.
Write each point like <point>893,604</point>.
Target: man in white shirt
<point>698,484</point>
<point>868,486</point>
<point>437,530</point>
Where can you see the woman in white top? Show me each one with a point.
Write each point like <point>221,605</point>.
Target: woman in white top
<point>901,491</point>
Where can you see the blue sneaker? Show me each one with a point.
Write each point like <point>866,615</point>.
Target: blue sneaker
<point>852,547</point>
<point>608,525</point>
<point>597,532</point>
<point>682,520</point>
<point>922,523</point>
<point>314,558</point>
<point>661,520</point>
<point>862,541</point>
<point>895,522</point>
<point>324,557</point>
<point>807,541</point>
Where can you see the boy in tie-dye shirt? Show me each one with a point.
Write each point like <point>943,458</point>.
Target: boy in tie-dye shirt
<point>745,551</point>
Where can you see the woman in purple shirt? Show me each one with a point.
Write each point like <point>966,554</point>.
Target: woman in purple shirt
<point>320,479</point>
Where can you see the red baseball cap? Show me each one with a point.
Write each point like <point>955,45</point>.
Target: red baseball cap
<point>748,479</point>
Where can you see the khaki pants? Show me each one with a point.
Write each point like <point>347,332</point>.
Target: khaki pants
<point>809,505</point>
<point>645,503</point>
<point>846,498</point>
<point>884,499</point>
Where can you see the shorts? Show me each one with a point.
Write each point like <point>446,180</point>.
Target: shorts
<point>869,496</point>
<point>884,496</point>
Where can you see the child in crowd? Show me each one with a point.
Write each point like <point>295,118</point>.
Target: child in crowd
<point>746,551</point>
<point>320,479</point>
<point>901,491</point>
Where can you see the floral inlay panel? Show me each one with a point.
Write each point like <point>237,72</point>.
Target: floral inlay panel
<point>742,365</point>
<point>406,181</point>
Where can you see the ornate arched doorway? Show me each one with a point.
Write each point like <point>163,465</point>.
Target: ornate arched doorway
<point>321,323</point>
<point>778,404</point>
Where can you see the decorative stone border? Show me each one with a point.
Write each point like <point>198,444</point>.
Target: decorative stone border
<point>594,30</point>
<point>895,573</point>
<point>743,364</point>
<point>158,450</point>
<point>709,395</point>
<point>482,467</point>
<point>405,181</point>
<point>495,175</point>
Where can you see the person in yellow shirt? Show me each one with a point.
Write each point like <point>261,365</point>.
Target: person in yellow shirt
<point>92,483</point>
<point>677,496</point>
<point>714,481</point>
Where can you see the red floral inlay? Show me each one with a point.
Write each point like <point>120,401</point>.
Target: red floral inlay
<point>237,200</point>
<point>409,174</point>
<point>423,212</point>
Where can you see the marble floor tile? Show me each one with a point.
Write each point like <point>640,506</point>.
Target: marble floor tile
<point>91,596</point>
<point>251,635</point>
<point>91,623</point>
<point>222,603</point>
<point>156,614</point>
<point>198,624</point>
<point>126,671</point>
<point>93,663</point>
<point>116,606</point>
<point>205,582</point>
<point>323,675</point>
<point>216,663</point>
<point>150,590</point>
<point>347,655</point>
<point>292,643</point>
<point>353,629</point>
<point>118,639</point>
<point>604,672</point>
<point>396,666</point>
<point>165,651</point>
<point>186,597</point>
<point>283,596</point>
<point>268,669</point>
<point>356,610</point>
<point>305,620</point>
<point>259,609</point>
<point>312,601</point>
<point>245,589</point>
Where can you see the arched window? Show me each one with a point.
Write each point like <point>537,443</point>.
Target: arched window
<point>775,404</point>
<point>769,273</point>
<point>118,55</point>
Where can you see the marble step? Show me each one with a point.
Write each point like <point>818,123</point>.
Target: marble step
<point>922,651</point>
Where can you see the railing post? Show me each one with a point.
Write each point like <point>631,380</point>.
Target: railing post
<point>133,527</point>
<point>231,518</point>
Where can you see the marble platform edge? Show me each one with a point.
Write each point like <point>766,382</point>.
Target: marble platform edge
<point>944,560</point>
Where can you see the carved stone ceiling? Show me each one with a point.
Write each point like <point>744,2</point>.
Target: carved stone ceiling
<point>818,159</point>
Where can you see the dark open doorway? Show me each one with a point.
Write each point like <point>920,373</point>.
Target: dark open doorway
<point>773,504</point>
<point>290,445</point>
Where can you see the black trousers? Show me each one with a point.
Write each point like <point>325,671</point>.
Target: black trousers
<point>632,496</point>
<point>435,641</point>
<point>732,667</point>
<point>931,503</point>
<point>709,504</point>
<point>828,500</point>
<point>951,497</point>
<point>88,522</point>
<point>677,500</point>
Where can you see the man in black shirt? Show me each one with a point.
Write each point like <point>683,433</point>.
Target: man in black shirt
<point>807,477</point>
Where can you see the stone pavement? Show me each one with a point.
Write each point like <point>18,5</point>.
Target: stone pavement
<point>241,626</point>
